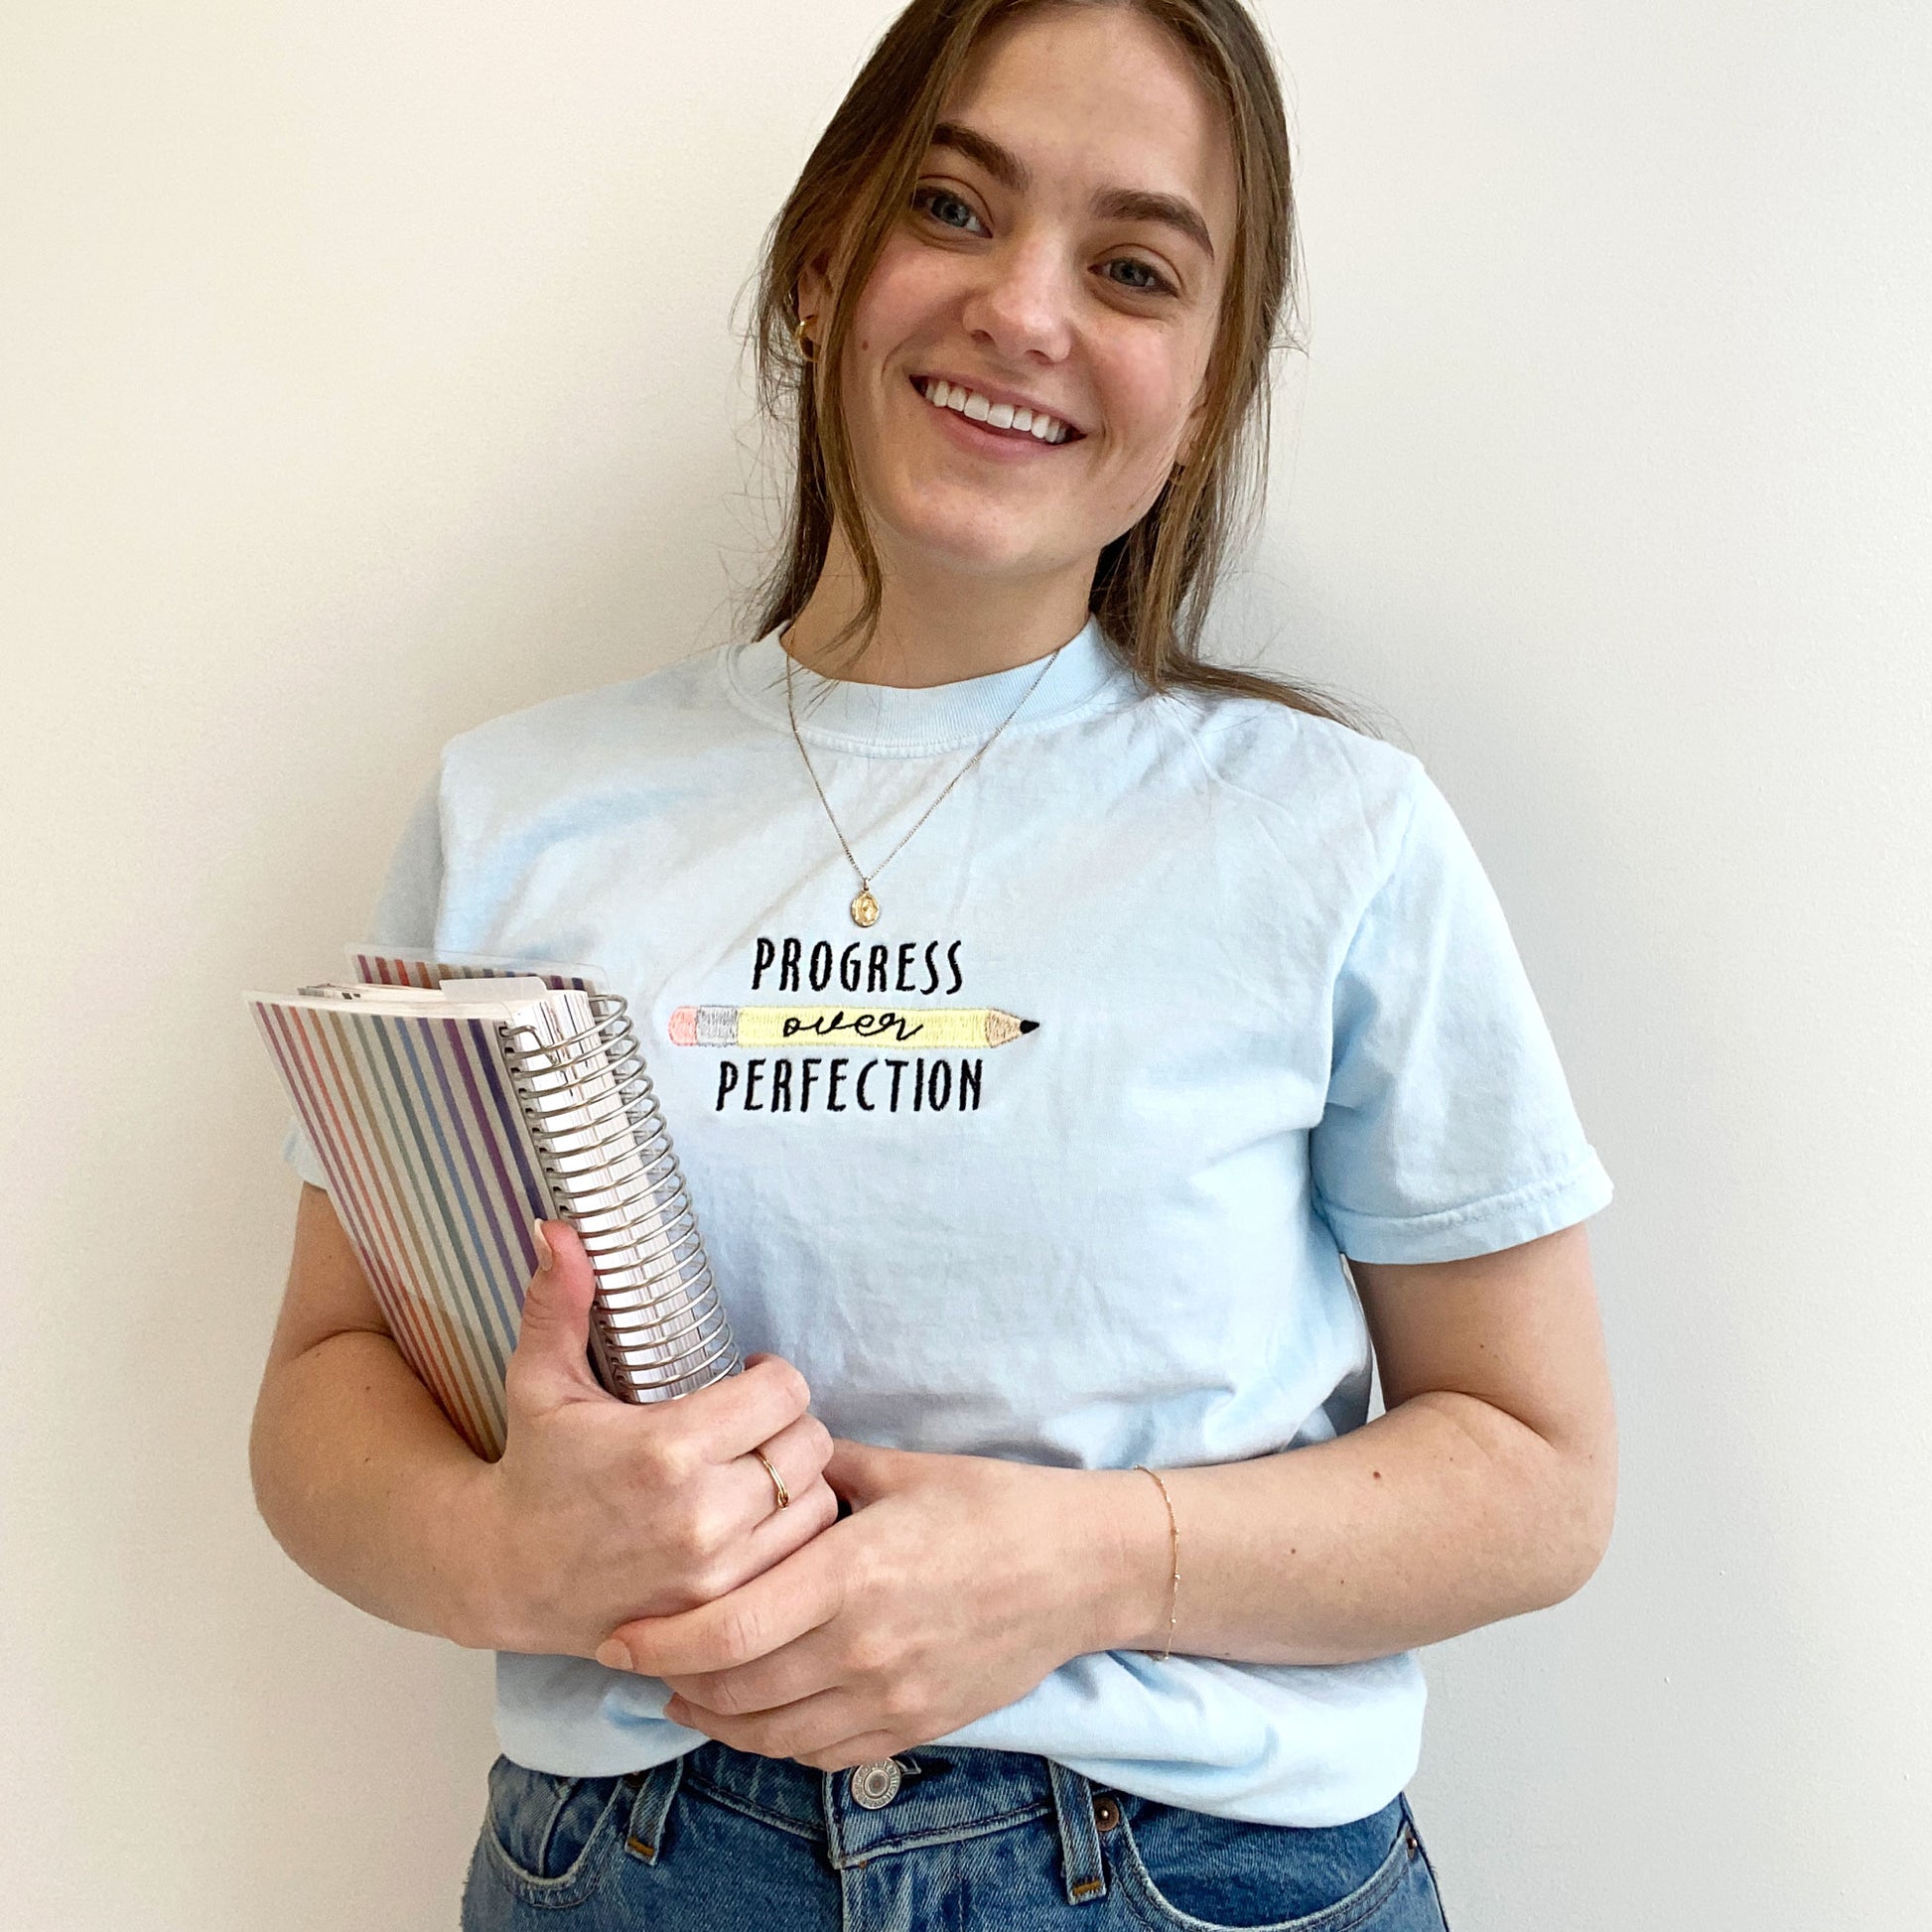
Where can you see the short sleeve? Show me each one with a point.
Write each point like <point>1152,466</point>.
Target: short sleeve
<point>1448,1129</point>
<point>405,915</point>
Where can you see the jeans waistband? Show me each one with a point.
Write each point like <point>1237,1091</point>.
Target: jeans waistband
<point>940,1794</point>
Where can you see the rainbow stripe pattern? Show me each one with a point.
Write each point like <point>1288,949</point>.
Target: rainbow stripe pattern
<point>434,1177</point>
<point>395,966</point>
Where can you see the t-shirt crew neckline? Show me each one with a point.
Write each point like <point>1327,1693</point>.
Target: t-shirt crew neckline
<point>891,721</point>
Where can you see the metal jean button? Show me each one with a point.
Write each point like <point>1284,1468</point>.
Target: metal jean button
<point>875,1785</point>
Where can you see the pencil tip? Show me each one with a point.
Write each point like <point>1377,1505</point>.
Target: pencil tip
<point>1030,1025</point>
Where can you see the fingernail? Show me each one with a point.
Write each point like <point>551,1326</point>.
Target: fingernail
<point>544,1254</point>
<point>614,1656</point>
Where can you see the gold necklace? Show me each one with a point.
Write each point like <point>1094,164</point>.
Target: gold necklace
<point>865,903</point>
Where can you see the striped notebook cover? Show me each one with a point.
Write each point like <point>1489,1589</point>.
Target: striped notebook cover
<point>394,966</point>
<point>446,1119</point>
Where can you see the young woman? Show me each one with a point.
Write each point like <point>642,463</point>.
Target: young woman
<point>1046,1567</point>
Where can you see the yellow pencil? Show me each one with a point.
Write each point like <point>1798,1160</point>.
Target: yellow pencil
<point>905,1027</point>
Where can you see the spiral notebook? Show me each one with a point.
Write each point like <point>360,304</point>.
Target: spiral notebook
<point>454,1100</point>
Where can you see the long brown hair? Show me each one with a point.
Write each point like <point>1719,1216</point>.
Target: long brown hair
<point>1153,585</point>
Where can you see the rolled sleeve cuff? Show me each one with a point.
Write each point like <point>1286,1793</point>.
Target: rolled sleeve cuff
<point>1479,1227</point>
<point>301,1155</point>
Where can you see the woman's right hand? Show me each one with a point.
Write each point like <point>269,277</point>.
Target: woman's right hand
<point>600,1510</point>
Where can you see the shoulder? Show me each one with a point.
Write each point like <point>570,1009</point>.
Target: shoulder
<point>584,742</point>
<point>1304,779</point>
<point>664,702</point>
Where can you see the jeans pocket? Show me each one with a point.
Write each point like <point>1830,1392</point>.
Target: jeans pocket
<point>1175,1868</point>
<point>549,1838</point>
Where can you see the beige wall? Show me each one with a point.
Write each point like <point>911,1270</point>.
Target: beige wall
<point>366,370</point>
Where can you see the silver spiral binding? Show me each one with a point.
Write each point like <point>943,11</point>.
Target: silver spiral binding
<point>658,1329</point>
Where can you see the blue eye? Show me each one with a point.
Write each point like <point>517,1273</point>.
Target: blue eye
<point>933,199</point>
<point>1155,284</point>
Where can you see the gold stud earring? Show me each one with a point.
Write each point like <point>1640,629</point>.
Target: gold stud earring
<point>799,339</point>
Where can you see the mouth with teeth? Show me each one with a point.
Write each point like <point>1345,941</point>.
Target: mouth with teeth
<point>1005,420</point>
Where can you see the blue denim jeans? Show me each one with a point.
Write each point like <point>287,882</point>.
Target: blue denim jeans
<point>933,1841</point>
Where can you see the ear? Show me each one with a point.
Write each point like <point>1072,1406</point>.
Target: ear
<point>1193,429</point>
<point>815,293</point>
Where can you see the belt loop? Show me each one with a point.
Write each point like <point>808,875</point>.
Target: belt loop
<point>644,1837</point>
<point>1080,1860</point>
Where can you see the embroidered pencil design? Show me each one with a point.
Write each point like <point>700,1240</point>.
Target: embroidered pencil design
<point>913,1027</point>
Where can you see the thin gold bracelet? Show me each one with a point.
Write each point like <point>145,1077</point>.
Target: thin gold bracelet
<point>1174,1547</point>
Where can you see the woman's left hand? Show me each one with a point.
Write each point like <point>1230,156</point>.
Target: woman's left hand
<point>956,1585</point>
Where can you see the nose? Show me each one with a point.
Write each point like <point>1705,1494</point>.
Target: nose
<point>1021,305</point>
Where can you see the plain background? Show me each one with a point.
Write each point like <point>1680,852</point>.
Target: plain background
<point>368,370</point>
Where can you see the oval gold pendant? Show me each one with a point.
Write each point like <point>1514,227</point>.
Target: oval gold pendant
<point>865,910</point>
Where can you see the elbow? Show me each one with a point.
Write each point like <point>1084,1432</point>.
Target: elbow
<point>1577,1522</point>
<point>1554,1501</point>
<point>262,1465</point>
<point>274,1473</point>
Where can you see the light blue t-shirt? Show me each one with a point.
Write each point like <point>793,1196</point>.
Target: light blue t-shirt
<point>1276,1016</point>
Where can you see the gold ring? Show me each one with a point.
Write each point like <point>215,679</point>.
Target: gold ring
<point>778,1481</point>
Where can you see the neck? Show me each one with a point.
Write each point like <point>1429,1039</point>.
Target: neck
<point>935,625</point>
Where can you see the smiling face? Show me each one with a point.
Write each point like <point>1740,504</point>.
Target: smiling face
<point>1065,251</point>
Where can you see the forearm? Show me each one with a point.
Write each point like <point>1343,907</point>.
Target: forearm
<point>364,1481</point>
<point>598,1510</point>
<point>1443,1514</point>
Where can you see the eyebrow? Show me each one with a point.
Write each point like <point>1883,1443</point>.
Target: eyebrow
<point>1111,204</point>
